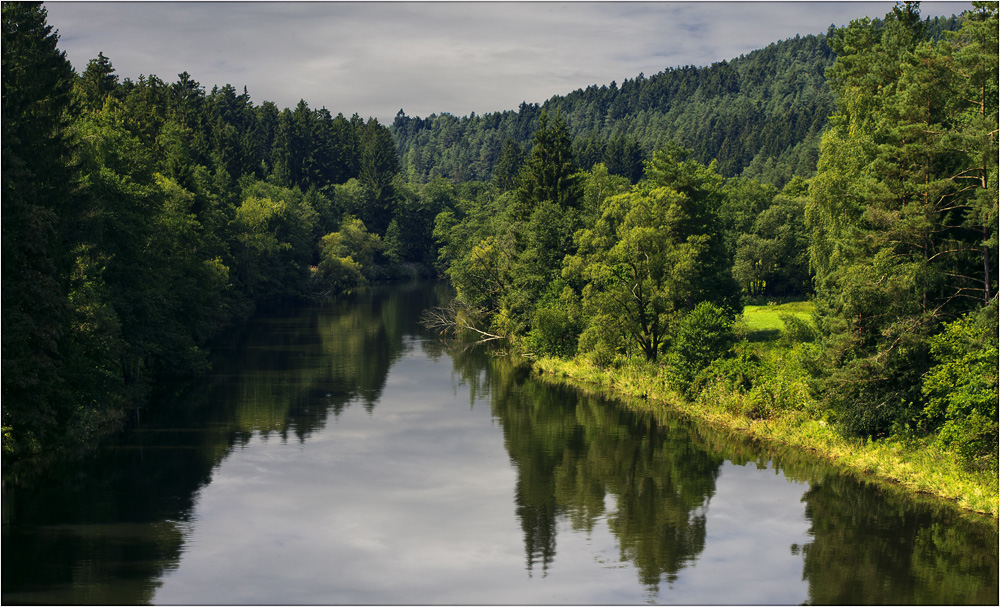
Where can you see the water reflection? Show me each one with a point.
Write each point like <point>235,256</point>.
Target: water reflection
<point>572,451</point>
<point>102,529</point>
<point>866,545</point>
<point>325,461</point>
<point>892,552</point>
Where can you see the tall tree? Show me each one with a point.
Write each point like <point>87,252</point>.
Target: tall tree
<point>98,81</point>
<point>378,167</point>
<point>898,212</point>
<point>653,254</point>
<point>975,102</point>
<point>550,172</point>
<point>508,166</point>
<point>37,178</point>
<point>702,186</point>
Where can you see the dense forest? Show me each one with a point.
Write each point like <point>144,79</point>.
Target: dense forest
<point>858,168</point>
<point>767,107</point>
<point>142,217</point>
<point>760,116</point>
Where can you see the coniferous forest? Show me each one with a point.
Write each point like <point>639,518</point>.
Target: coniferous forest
<point>618,224</point>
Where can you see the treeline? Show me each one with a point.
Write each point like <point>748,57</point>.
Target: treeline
<point>759,116</point>
<point>141,217</point>
<point>896,233</point>
<point>769,105</point>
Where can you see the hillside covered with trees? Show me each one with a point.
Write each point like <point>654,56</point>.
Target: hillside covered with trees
<point>760,116</point>
<point>142,217</point>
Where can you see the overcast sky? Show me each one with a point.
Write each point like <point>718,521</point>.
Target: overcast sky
<point>375,58</point>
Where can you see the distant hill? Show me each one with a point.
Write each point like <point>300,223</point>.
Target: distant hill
<point>759,115</point>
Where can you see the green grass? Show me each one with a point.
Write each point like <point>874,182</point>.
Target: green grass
<point>766,318</point>
<point>764,324</point>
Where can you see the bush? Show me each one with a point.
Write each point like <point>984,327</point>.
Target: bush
<point>339,273</point>
<point>796,330</point>
<point>601,340</point>
<point>555,325</point>
<point>703,335</point>
<point>739,372</point>
<point>757,388</point>
<point>961,388</point>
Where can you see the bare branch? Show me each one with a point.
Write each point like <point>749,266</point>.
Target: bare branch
<point>453,318</point>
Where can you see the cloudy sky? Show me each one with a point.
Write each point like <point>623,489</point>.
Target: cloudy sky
<point>375,58</point>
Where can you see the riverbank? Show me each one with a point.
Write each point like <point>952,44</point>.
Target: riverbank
<point>780,410</point>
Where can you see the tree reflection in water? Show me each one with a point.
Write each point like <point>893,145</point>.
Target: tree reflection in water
<point>894,551</point>
<point>571,450</point>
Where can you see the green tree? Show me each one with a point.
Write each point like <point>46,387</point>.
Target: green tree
<point>393,243</point>
<point>37,178</point>
<point>378,167</point>
<point>508,166</point>
<point>703,188</point>
<point>274,234</point>
<point>975,102</point>
<point>772,257</point>
<point>898,211</point>
<point>97,82</point>
<point>347,257</point>
<point>549,173</point>
<point>961,387</point>
<point>640,266</point>
<point>703,335</point>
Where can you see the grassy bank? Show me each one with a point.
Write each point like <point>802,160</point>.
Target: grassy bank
<point>778,408</point>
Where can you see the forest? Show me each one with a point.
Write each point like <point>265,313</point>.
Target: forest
<point>760,116</point>
<point>618,224</point>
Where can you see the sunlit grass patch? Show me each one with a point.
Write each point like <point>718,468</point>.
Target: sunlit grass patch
<point>769,317</point>
<point>764,323</point>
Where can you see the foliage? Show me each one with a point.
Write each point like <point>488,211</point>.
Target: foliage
<point>505,250</point>
<point>703,335</point>
<point>614,223</point>
<point>902,210</point>
<point>37,178</point>
<point>556,323</point>
<point>771,258</point>
<point>638,266</point>
<point>796,330</point>
<point>141,217</point>
<point>761,113</point>
<point>347,257</point>
<point>961,387</point>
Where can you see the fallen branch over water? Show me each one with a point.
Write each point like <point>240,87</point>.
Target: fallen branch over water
<point>453,318</point>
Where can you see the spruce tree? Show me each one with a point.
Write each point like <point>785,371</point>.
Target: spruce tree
<point>37,177</point>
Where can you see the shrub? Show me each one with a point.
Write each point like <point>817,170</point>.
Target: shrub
<point>340,273</point>
<point>961,388</point>
<point>703,335</point>
<point>601,341</point>
<point>739,372</point>
<point>555,325</point>
<point>796,330</point>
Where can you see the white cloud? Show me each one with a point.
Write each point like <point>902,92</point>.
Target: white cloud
<point>430,57</point>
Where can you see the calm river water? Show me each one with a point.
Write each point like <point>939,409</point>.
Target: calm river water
<point>339,454</point>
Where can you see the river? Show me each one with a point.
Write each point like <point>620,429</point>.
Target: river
<point>341,454</point>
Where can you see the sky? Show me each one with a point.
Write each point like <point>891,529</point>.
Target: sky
<point>376,58</point>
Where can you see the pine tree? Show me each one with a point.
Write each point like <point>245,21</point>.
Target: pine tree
<point>37,177</point>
